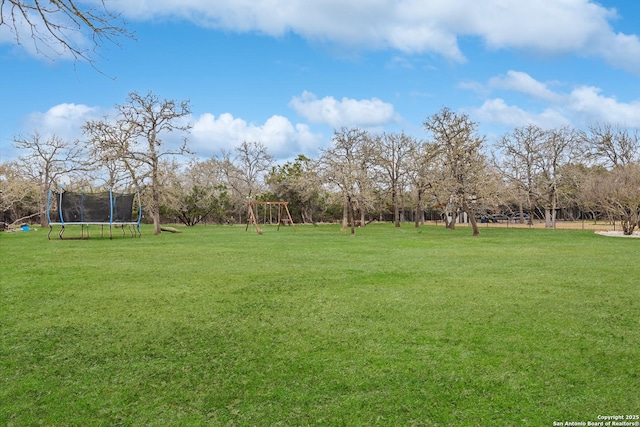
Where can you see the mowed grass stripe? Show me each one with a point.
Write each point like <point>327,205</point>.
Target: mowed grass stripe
<point>311,326</point>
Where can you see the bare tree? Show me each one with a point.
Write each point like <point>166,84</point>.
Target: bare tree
<point>615,193</point>
<point>253,161</point>
<point>46,161</point>
<point>232,177</point>
<point>298,183</point>
<point>520,160</point>
<point>611,146</point>
<point>244,170</point>
<point>191,192</point>
<point>109,142</point>
<point>391,152</point>
<point>420,173</point>
<point>557,151</point>
<point>618,189</point>
<point>19,195</point>
<point>206,173</point>
<point>346,165</point>
<point>135,139</point>
<point>53,26</point>
<point>460,147</point>
<point>624,196</point>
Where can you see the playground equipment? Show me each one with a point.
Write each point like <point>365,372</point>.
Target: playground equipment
<point>103,209</point>
<point>280,217</point>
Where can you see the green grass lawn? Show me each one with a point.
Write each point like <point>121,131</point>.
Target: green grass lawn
<point>391,327</point>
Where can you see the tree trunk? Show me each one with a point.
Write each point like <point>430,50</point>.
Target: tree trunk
<point>44,222</point>
<point>307,214</point>
<point>45,185</point>
<point>419,211</point>
<point>351,214</point>
<point>155,195</point>
<point>156,222</point>
<point>472,217</point>
<point>629,222</point>
<point>547,213</point>
<point>451,223</point>
<point>396,208</point>
<point>554,207</point>
<point>547,217</point>
<point>532,208</point>
<point>345,215</point>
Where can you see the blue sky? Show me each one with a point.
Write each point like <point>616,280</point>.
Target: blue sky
<point>288,72</point>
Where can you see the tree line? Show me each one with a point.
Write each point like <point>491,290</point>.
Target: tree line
<point>451,174</point>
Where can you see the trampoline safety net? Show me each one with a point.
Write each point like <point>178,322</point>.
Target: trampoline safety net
<point>104,209</point>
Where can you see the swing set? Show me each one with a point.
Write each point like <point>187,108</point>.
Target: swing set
<point>280,211</point>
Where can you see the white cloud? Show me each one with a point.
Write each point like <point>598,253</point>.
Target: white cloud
<point>522,82</point>
<point>63,120</point>
<point>541,25</point>
<point>584,105</point>
<point>620,50</point>
<point>497,111</point>
<point>474,86</point>
<point>346,112</point>
<point>578,27</point>
<point>556,27</point>
<point>588,102</point>
<point>210,135</point>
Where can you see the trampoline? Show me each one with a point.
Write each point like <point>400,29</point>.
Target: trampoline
<point>104,209</point>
